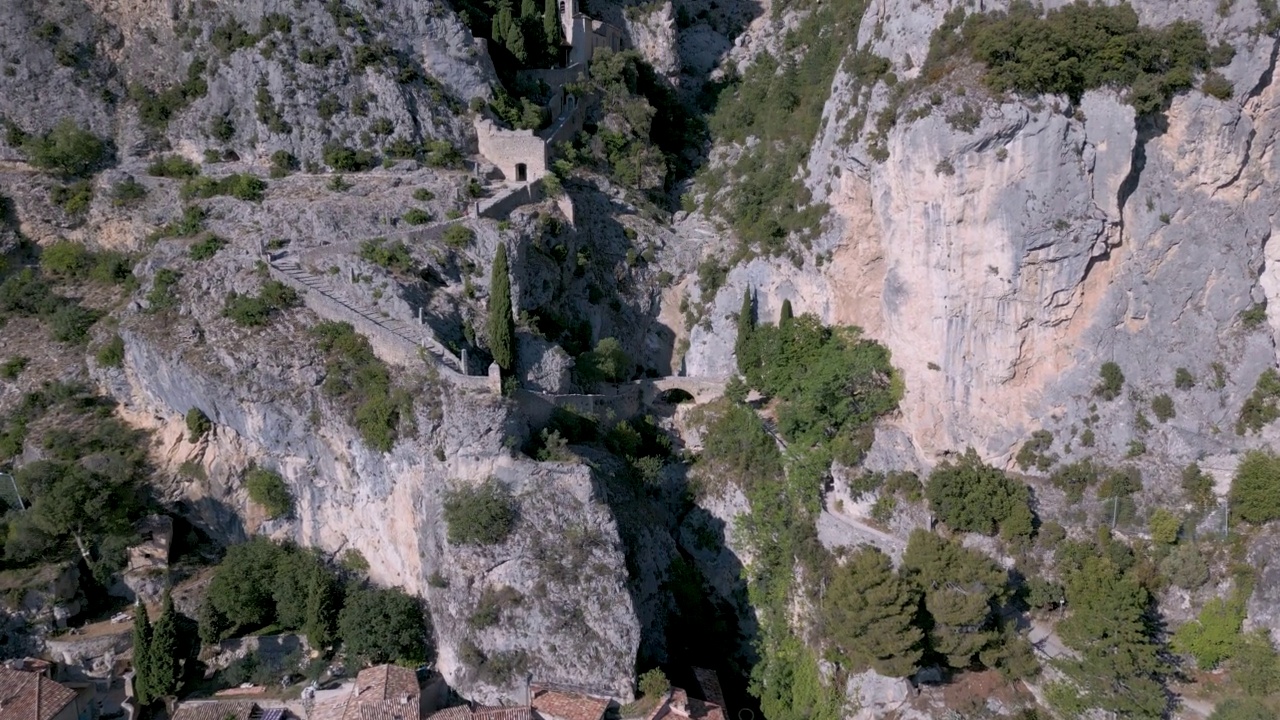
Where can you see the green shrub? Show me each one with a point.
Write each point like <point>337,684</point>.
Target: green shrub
<point>68,150</point>
<point>283,163</point>
<point>654,683</point>
<point>1087,438</point>
<point>971,496</point>
<point>1035,452</point>
<point>1112,381</point>
<point>1255,666</point>
<point>417,216</point>
<point>256,311</point>
<point>112,353</point>
<point>267,489</point>
<point>1183,379</point>
<point>197,424</point>
<point>492,603</point>
<point>358,380</point>
<point>11,368</point>
<point>1165,526</point>
<point>1084,46</point>
<point>1197,485</point>
<point>481,515</point>
<point>157,108</point>
<point>70,323</point>
<point>191,223</point>
<point>207,248</point>
<point>1261,407</point>
<point>1255,490</point>
<point>1075,478</point>
<point>1254,317</point>
<point>1246,708</point>
<point>383,626</point>
<point>1162,406</point>
<point>127,192</point>
<point>242,186</point>
<point>343,158</point>
<point>1185,567</point>
<point>161,296</point>
<point>423,195</point>
<point>1213,636</point>
<point>608,362</point>
<point>458,236</point>
<point>221,129</point>
<point>1215,85</point>
<point>173,166</point>
<point>74,199</point>
<point>392,256</point>
<point>441,153</point>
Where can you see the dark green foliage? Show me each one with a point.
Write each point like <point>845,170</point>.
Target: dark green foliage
<point>197,424</point>
<point>1075,478</point>
<point>256,311</point>
<point>392,256</point>
<point>68,150</point>
<point>1197,485</point>
<point>242,186</point>
<point>267,489</point>
<point>1185,567</point>
<point>1255,491</point>
<point>345,159</point>
<point>653,683</point>
<point>830,382</point>
<point>458,236</point>
<point>173,166</point>
<point>141,657</point>
<point>383,626</point>
<point>74,199</point>
<point>221,129</point>
<point>70,261</point>
<point>502,328</point>
<point>191,223</point>
<point>1255,665</point>
<point>869,614</point>
<point>127,192</point>
<point>608,362</point>
<point>1254,316</point>
<point>481,515</point>
<point>112,353</point>
<point>1120,669</point>
<point>737,446</point>
<point>319,55</point>
<point>418,216</point>
<point>161,296</point>
<point>70,323</point>
<point>356,379</point>
<point>441,154</point>
<point>11,368</point>
<point>163,672</point>
<point>1111,383</point>
<point>268,113</point>
<point>1162,407</point>
<point>1036,452</point>
<point>963,590</point>
<point>1261,407</point>
<point>493,601</point>
<point>743,347</point>
<point>1183,379</point>
<point>1216,85</point>
<point>157,108</point>
<point>283,163</point>
<point>206,248</point>
<point>971,496</point>
<point>231,36</point>
<point>780,102</point>
<point>1084,46</point>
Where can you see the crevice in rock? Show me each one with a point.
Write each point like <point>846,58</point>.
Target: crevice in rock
<point>1264,81</point>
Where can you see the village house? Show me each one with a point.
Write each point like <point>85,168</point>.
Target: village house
<point>29,694</point>
<point>227,710</point>
<point>384,692</point>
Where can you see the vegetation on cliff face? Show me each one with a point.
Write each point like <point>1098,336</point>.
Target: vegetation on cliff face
<point>360,382</point>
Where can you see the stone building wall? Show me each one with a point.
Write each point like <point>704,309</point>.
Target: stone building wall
<point>510,149</point>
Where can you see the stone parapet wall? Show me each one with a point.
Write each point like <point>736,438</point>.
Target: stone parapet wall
<point>509,148</point>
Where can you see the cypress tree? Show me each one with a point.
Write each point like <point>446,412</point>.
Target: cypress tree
<point>502,326</point>
<point>322,608</point>
<point>528,9</point>
<point>743,347</point>
<point>141,656</point>
<point>551,28</point>
<point>502,22</point>
<point>785,316</point>
<point>162,653</point>
<point>515,43</point>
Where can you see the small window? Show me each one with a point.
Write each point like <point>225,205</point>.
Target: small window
<point>522,172</point>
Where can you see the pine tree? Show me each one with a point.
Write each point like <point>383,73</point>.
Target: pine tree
<point>551,28</point>
<point>1119,667</point>
<point>164,672</point>
<point>869,614</point>
<point>743,347</point>
<point>502,326</point>
<point>141,657</point>
<point>962,589</point>
<point>785,316</point>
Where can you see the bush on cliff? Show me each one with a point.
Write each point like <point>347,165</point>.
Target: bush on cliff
<point>480,515</point>
<point>357,380</point>
<point>267,488</point>
<point>971,496</point>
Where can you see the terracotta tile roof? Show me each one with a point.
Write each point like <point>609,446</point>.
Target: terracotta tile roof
<point>458,712</point>
<point>22,692</point>
<point>217,710</point>
<point>384,692</point>
<point>514,712</point>
<point>693,708</point>
<point>555,705</point>
<point>710,682</point>
<point>386,682</point>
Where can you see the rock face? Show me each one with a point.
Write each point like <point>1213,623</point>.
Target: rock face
<point>577,623</point>
<point>1003,265</point>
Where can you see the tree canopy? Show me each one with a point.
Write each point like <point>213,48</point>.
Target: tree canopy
<point>869,614</point>
<point>383,625</point>
<point>963,589</point>
<point>970,495</point>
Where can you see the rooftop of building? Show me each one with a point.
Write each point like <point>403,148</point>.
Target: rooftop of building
<point>26,695</point>
<point>557,705</point>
